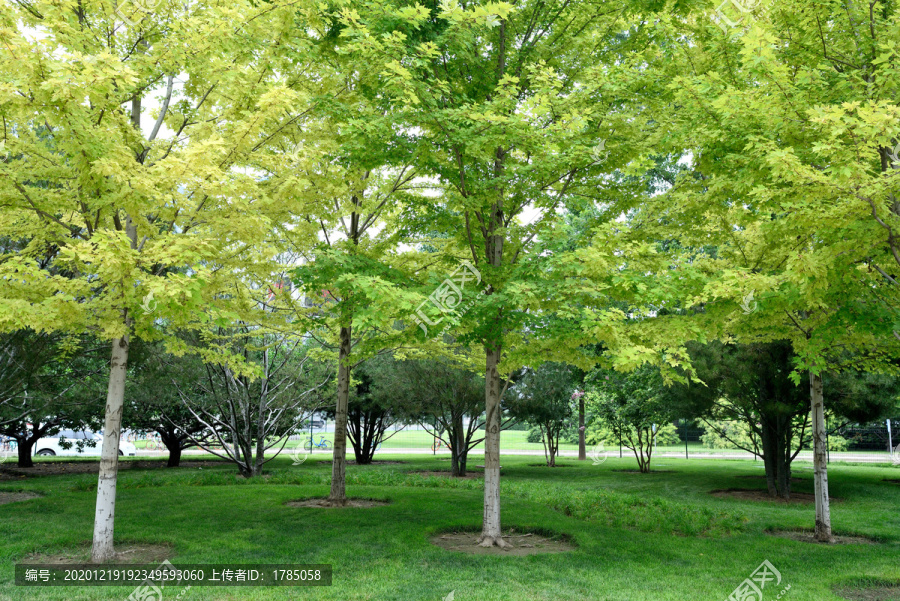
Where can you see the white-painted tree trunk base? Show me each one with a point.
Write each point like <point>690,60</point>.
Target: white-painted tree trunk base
<point>102,549</point>
<point>820,461</point>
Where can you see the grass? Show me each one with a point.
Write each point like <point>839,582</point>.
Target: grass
<point>657,536</point>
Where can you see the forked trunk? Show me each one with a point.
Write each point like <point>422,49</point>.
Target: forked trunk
<point>490,532</point>
<point>338,494</point>
<point>104,517</point>
<point>820,463</point>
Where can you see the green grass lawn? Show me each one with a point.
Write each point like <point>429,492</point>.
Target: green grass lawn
<point>639,536</point>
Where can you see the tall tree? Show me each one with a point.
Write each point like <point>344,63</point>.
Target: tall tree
<point>783,221</point>
<point>514,104</point>
<point>124,200</point>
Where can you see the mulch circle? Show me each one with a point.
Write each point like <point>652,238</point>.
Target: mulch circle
<point>640,472</point>
<point>469,474</point>
<point>759,477</point>
<point>806,536</point>
<point>131,553</point>
<point>353,462</point>
<point>15,497</point>
<point>887,591</point>
<point>528,543</point>
<point>763,495</point>
<point>326,504</point>
<point>57,468</point>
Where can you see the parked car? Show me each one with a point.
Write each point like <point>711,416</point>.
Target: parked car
<point>78,443</point>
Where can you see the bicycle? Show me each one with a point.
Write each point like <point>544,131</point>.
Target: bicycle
<point>311,444</point>
<point>153,443</point>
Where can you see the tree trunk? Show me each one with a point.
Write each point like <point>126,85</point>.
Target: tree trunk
<point>553,444</point>
<point>490,532</point>
<point>25,446</point>
<point>582,452</point>
<point>820,463</point>
<point>457,445</point>
<point>769,462</point>
<point>104,517</point>
<point>174,455</point>
<point>783,458</point>
<point>338,494</point>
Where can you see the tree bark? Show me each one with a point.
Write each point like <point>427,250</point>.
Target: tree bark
<point>104,518</point>
<point>768,456</point>
<point>491,533</point>
<point>174,455</point>
<point>25,446</point>
<point>338,494</point>
<point>820,460</point>
<point>582,452</point>
<point>457,446</point>
<point>782,458</point>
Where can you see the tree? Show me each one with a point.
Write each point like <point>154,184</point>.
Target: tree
<point>445,398</point>
<point>631,406</point>
<point>752,384</point>
<point>356,172</point>
<point>49,383</point>
<point>514,103</point>
<point>370,414</point>
<point>543,396</point>
<point>125,204</point>
<point>249,416</point>
<point>153,403</point>
<point>784,220</point>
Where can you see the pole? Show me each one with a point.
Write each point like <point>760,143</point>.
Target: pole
<point>685,441</point>
<point>311,417</point>
<point>890,440</point>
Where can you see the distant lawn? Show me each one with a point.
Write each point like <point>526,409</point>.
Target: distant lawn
<point>640,537</point>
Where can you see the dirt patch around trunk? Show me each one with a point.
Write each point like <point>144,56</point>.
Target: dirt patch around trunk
<point>353,462</point>
<point>762,495</point>
<point>58,468</point>
<point>326,504</point>
<point>758,477</point>
<point>135,553</point>
<point>527,543</point>
<point>469,474</point>
<point>15,497</point>
<point>640,472</point>
<point>875,591</point>
<point>805,536</point>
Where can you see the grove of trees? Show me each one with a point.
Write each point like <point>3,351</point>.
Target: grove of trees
<point>457,214</point>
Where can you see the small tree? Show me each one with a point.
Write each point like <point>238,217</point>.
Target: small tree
<point>46,385</point>
<point>446,399</point>
<point>631,406</point>
<point>153,402</point>
<point>369,414</point>
<point>248,416</point>
<point>544,397</point>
